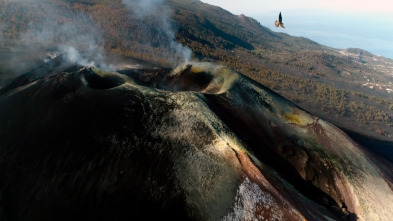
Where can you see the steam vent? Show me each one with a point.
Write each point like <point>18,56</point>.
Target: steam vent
<point>198,142</point>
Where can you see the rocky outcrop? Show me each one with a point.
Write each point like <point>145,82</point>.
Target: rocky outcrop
<point>199,142</point>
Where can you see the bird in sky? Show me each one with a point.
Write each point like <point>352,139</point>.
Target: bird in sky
<point>279,22</point>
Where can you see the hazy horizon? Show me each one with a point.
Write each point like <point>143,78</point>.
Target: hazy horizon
<point>339,29</point>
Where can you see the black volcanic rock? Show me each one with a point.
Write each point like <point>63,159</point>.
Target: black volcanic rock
<point>199,142</point>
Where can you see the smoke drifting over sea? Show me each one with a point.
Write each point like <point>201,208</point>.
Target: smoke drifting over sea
<point>160,15</point>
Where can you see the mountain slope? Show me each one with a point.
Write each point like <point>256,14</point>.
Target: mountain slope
<point>333,84</point>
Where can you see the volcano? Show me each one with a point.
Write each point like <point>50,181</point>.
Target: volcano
<point>197,142</point>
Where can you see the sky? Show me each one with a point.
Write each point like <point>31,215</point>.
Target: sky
<point>336,23</point>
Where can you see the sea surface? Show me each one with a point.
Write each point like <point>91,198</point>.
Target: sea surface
<point>373,33</point>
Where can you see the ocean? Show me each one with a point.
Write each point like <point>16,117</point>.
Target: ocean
<point>372,33</point>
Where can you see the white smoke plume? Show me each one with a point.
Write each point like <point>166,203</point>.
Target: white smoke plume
<point>78,46</point>
<point>56,30</point>
<point>144,8</point>
<point>157,11</point>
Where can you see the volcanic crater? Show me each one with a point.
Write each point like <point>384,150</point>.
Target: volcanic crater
<point>197,142</point>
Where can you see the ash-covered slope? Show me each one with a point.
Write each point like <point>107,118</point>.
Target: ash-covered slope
<point>200,142</point>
